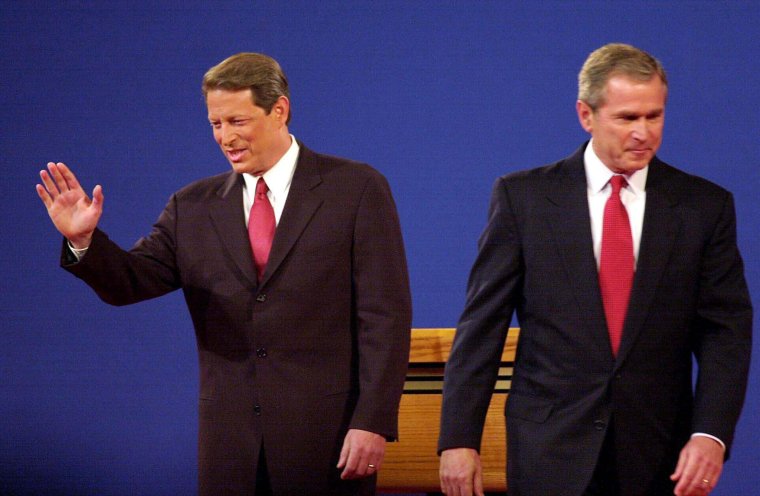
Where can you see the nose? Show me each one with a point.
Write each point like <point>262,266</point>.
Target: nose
<point>640,129</point>
<point>226,134</point>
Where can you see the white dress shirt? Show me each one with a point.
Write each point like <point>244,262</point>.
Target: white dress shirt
<point>278,179</point>
<point>633,196</point>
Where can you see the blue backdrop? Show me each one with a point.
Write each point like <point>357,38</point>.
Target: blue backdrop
<point>442,97</point>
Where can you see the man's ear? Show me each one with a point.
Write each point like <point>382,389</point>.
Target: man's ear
<point>585,115</point>
<point>281,109</point>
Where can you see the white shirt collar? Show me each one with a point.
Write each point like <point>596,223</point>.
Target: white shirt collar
<point>598,175</point>
<point>278,178</point>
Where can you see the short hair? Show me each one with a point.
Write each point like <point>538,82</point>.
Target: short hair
<point>615,59</point>
<point>255,71</point>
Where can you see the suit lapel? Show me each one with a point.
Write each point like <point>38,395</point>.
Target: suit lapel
<point>657,240</point>
<point>569,220</point>
<point>571,230</point>
<point>228,219</point>
<point>300,207</point>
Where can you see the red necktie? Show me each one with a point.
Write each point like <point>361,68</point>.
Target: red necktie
<point>616,263</point>
<point>261,227</point>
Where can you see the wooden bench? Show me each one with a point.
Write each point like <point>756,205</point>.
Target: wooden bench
<point>411,464</point>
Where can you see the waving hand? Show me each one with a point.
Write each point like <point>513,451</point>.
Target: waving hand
<point>73,213</point>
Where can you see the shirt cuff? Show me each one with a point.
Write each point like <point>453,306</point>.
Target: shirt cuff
<point>77,252</point>
<point>702,434</point>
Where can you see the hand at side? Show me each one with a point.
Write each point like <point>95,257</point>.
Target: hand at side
<point>699,466</point>
<point>461,472</point>
<point>362,454</point>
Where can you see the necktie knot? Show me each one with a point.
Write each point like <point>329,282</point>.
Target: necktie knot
<point>617,183</point>
<point>261,187</point>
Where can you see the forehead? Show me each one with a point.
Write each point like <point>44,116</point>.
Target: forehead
<point>222,102</point>
<point>623,91</point>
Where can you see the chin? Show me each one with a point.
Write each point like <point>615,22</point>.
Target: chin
<point>636,167</point>
<point>241,167</point>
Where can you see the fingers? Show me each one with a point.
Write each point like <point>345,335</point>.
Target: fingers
<point>44,195</point>
<point>358,467</point>
<point>343,454</point>
<point>678,472</point>
<point>50,187</point>
<point>68,177</point>
<point>362,454</point>
<point>461,473</point>
<point>57,180</point>
<point>699,467</point>
<point>691,484</point>
<point>56,170</point>
<point>478,489</point>
<point>355,464</point>
<point>358,464</point>
<point>73,213</point>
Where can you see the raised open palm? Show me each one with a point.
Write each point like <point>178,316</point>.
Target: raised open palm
<point>73,213</point>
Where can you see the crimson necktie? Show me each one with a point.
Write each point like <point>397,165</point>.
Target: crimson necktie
<point>261,227</point>
<point>616,263</point>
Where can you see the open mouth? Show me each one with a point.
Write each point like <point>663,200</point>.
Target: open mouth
<point>235,155</point>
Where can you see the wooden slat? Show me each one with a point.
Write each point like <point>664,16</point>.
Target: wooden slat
<point>411,464</point>
<point>434,345</point>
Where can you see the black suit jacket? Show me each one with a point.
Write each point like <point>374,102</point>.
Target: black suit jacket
<point>689,298</point>
<point>319,346</point>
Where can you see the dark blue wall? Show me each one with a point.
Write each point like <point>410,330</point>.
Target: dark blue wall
<point>442,97</point>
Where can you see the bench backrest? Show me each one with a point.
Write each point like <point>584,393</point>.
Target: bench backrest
<point>411,464</point>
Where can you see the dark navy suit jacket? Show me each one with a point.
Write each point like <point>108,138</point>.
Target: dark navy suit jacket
<point>689,298</point>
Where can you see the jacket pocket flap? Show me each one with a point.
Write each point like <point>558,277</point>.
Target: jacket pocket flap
<point>527,407</point>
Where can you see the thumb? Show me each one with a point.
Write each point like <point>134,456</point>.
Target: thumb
<point>679,468</point>
<point>97,196</point>
<point>343,454</point>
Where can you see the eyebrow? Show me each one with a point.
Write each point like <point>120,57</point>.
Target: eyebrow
<point>632,113</point>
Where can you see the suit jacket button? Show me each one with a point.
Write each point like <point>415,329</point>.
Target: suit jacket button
<point>261,298</point>
<point>599,425</point>
<point>261,352</point>
<point>257,409</point>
